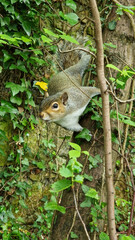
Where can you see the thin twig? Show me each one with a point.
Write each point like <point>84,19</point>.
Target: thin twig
<point>76,207</point>
<point>119,100</point>
<point>131,215</point>
<point>78,48</point>
<point>126,132</point>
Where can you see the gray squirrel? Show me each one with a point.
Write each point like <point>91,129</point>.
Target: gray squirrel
<point>67,99</point>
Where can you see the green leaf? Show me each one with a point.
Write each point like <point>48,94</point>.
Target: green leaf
<point>86,203</point>
<point>54,206</point>
<point>85,188</point>
<point>120,83</point>
<point>38,60</point>
<point>124,237</point>
<point>90,178</point>
<point>16,100</point>
<point>74,154</point>
<point>25,162</point>
<point>79,179</point>
<point>84,134</point>
<point>50,33</point>
<point>128,122</point>
<point>41,164</point>
<point>0,69</point>
<point>92,193</point>
<point>73,235</point>
<point>65,172</point>
<point>115,139</point>
<point>26,40</point>
<point>2,152</point>
<point>7,107</point>
<point>112,25</point>
<point>113,67</point>
<point>103,236</point>
<point>3,135</point>
<point>69,38</point>
<point>14,1</point>
<point>46,39</point>
<point>22,203</point>
<point>75,146</point>
<point>15,88</point>
<point>27,27</point>
<point>72,18</point>
<point>110,45</point>
<point>71,4</point>
<point>61,185</point>
<point>7,56</point>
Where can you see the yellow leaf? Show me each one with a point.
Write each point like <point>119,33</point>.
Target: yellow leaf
<point>43,85</point>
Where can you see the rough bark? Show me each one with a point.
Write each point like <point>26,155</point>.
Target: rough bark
<point>122,37</point>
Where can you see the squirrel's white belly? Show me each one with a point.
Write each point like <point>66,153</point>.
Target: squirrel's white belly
<point>70,121</point>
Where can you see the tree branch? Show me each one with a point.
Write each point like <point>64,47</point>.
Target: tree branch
<point>106,122</point>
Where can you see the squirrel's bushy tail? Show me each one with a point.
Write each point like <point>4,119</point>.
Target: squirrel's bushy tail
<point>68,59</point>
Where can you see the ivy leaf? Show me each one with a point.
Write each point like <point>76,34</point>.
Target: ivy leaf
<point>54,206</point>
<point>113,67</point>
<point>90,178</point>
<point>72,18</point>
<point>75,146</point>
<point>112,25</point>
<point>85,188</point>
<point>129,122</point>
<point>46,39</point>
<point>16,100</point>
<point>38,60</point>
<point>65,172</point>
<point>26,40</point>
<point>86,203</point>
<point>115,139</point>
<point>74,153</point>
<point>71,4</point>
<point>84,134</point>
<point>69,38</point>
<point>103,236</point>
<point>79,179</point>
<point>13,1</point>
<point>92,193</point>
<point>73,235</point>
<point>124,237</point>
<point>50,33</point>
<point>15,88</point>
<point>7,56</point>
<point>2,152</point>
<point>3,135</point>
<point>25,162</point>
<point>22,203</point>
<point>7,107</point>
<point>27,27</point>
<point>61,185</point>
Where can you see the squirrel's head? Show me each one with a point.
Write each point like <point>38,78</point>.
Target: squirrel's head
<point>53,108</point>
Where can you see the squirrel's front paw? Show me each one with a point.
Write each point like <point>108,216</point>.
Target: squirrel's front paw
<point>76,128</point>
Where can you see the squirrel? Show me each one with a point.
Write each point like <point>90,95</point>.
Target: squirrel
<point>66,99</point>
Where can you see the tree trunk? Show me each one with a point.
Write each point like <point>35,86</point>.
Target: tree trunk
<point>123,38</point>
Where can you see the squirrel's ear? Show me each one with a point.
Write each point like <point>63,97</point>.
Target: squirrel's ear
<point>64,98</point>
<point>46,95</point>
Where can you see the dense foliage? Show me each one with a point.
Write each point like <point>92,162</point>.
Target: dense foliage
<point>26,37</point>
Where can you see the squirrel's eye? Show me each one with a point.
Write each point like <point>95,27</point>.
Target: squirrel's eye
<point>55,105</point>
